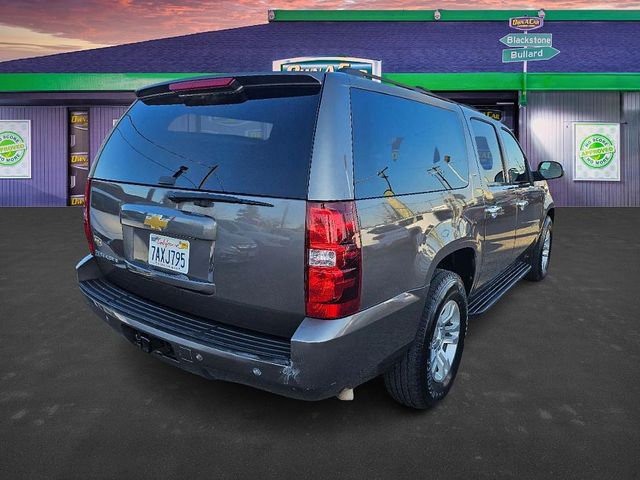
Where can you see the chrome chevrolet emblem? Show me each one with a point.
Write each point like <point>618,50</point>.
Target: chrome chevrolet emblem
<point>156,222</point>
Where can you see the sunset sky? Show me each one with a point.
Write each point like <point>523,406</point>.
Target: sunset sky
<point>40,27</point>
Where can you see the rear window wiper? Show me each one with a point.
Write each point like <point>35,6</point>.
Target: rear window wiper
<point>171,180</point>
<point>208,197</point>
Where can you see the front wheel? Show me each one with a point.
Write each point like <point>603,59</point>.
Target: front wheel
<point>541,253</point>
<point>427,371</point>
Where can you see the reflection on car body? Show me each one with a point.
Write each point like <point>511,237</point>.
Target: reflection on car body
<point>335,229</point>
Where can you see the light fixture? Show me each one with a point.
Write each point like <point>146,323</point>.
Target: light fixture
<point>541,13</point>
<point>271,15</point>
<point>437,15</point>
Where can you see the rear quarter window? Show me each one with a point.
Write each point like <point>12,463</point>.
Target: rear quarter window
<point>516,161</point>
<point>258,147</point>
<point>488,151</point>
<point>403,146</point>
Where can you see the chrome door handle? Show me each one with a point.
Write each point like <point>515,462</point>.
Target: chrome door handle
<point>522,204</point>
<point>494,211</point>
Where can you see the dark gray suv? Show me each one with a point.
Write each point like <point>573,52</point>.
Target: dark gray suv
<point>304,233</point>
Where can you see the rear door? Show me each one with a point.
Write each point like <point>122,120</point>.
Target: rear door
<point>410,172</point>
<point>530,200</point>
<point>198,200</point>
<point>500,202</point>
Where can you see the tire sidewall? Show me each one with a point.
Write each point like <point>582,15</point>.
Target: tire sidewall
<point>537,273</point>
<point>435,390</point>
<point>548,227</point>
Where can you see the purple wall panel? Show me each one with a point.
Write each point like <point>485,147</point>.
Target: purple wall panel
<point>100,124</point>
<point>546,133</point>
<point>48,183</point>
<point>630,139</point>
<point>49,163</point>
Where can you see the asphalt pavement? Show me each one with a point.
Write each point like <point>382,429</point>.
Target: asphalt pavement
<point>549,385</point>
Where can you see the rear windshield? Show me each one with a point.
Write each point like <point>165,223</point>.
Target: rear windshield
<point>258,147</point>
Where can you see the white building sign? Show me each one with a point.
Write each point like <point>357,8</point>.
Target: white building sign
<point>327,64</point>
<point>597,151</point>
<point>15,148</point>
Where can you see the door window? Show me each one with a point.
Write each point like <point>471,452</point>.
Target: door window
<point>516,161</point>
<point>488,149</point>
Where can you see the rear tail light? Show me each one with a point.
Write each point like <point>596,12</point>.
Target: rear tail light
<point>333,260</point>
<point>87,217</point>
<point>201,84</point>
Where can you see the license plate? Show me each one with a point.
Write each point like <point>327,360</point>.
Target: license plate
<point>169,253</point>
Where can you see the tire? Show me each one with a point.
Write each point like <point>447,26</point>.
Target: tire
<point>412,381</point>
<point>539,267</point>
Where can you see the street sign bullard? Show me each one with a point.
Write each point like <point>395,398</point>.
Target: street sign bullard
<point>510,55</point>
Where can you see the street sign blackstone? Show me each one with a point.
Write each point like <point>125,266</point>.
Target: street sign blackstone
<point>528,39</point>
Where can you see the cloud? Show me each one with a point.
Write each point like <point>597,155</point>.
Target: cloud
<point>101,21</point>
<point>18,42</point>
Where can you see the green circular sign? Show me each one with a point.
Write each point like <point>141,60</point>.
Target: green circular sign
<point>597,151</point>
<point>12,148</point>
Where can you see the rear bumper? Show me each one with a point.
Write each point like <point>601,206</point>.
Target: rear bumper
<point>322,358</point>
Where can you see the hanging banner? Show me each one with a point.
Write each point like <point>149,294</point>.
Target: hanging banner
<point>15,148</point>
<point>597,152</point>
<point>78,155</point>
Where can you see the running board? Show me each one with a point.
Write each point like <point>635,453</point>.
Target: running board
<point>483,300</point>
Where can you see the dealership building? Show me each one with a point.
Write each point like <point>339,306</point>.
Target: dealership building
<point>575,100</point>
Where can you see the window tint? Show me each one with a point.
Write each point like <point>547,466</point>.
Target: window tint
<point>260,147</point>
<point>402,146</point>
<point>516,163</point>
<point>488,150</point>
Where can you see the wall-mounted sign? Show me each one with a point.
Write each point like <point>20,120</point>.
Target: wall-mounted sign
<point>78,155</point>
<point>495,114</point>
<point>15,148</point>
<point>533,47</point>
<point>597,151</point>
<point>526,23</point>
<point>327,64</point>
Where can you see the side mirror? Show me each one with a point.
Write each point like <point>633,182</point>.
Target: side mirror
<point>548,170</point>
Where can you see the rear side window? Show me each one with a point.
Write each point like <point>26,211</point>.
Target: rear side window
<point>402,146</point>
<point>516,163</point>
<point>258,147</point>
<point>488,150</point>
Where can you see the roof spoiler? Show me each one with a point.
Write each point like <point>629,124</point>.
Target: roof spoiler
<point>225,85</point>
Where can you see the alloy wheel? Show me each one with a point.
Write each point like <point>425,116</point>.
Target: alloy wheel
<point>445,342</point>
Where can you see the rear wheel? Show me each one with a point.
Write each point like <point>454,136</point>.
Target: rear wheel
<point>427,371</point>
<point>541,253</point>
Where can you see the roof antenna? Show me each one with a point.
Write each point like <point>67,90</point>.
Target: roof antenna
<point>425,90</point>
